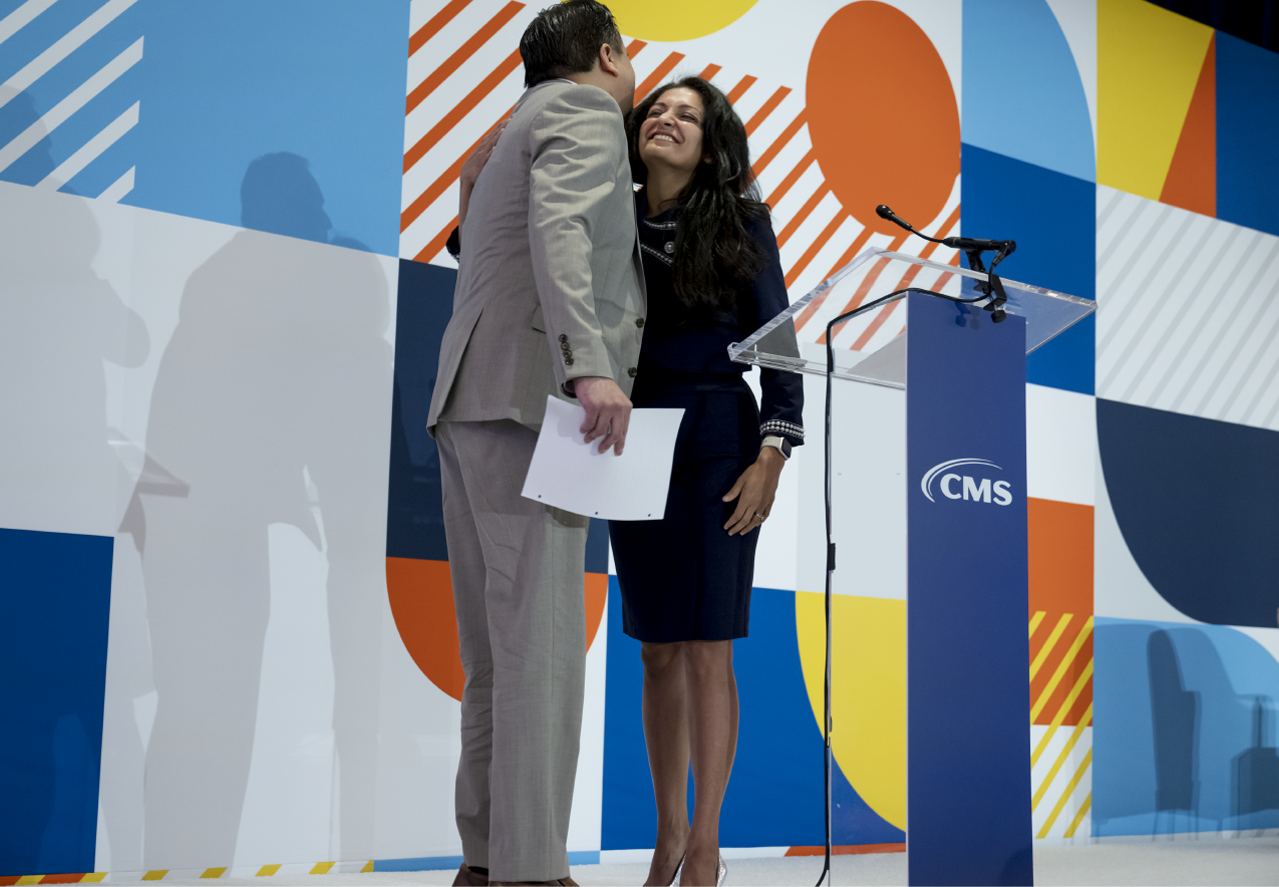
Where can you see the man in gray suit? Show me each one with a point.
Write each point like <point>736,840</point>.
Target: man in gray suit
<point>549,301</point>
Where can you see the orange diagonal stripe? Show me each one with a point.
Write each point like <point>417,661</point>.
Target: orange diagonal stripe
<point>804,212</point>
<point>432,249</point>
<point>814,247</point>
<point>851,253</point>
<point>468,49</point>
<point>439,20</point>
<point>859,296</point>
<point>658,76</point>
<point>768,107</point>
<point>811,308</point>
<point>913,271</point>
<point>780,142</point>
<point>740,89</point>
<point>633,48</point>
<point>709,72</point>
<point>464,107</point>
<point>873,327</point>
<point>907,279</point>
<point>791,178</point>
<point>440,185</point>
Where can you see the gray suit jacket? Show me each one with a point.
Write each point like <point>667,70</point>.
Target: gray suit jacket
<point>551,284</point>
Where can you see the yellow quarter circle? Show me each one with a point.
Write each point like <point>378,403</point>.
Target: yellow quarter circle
<point>670,20</point>
<point>869,691</point>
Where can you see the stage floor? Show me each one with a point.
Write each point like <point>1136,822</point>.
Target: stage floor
<point>1181,860</point>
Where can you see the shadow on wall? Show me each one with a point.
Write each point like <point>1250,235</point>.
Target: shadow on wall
<point>1185,737</point>
<point>59,323</point>
<point>261,413</point>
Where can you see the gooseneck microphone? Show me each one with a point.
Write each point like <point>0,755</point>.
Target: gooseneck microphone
<point>973,247</point>
<point>960,243</point>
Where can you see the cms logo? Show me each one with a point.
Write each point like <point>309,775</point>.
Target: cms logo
<point>947,478</point>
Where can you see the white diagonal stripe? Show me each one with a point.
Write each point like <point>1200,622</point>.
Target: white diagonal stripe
<point>20,17</point>
<point>73,40</point>
<point>1190,315</point>
<point>92,149</point>
<point>59,113</point>
<point>119,187</point>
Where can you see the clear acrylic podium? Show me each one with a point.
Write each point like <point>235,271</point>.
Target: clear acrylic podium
<point>927,504</point>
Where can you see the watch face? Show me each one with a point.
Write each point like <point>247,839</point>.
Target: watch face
<point>786,448</point>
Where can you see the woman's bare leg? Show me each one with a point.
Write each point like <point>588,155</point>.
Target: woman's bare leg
<point>712,721</point>
<point>666,736</point>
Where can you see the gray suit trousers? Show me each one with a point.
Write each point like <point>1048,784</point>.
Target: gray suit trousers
<point>519,589</point>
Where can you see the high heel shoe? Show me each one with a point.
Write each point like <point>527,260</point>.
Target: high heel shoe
<point>720,873</point>
<point>679,868</point>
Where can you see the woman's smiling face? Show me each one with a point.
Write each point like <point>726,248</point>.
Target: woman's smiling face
<point>671,134</point>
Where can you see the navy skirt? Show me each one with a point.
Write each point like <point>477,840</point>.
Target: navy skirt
<point>683,578</point>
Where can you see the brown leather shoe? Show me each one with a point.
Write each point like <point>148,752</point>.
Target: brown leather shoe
<point>466,877</point>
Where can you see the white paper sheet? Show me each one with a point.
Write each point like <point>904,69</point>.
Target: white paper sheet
<point>571,474</point>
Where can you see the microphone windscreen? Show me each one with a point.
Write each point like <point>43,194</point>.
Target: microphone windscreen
<point>883,211</point>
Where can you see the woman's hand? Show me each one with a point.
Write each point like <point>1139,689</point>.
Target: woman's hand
<point>755,491</point>
<point>472,167</point>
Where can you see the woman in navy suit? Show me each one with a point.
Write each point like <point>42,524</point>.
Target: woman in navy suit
<point>713,276</point>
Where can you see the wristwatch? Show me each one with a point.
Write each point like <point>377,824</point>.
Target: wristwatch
<point>776,440</point>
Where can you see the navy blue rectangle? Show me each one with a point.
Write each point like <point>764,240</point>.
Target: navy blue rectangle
<point>968,704</point>
<point>53,667</point>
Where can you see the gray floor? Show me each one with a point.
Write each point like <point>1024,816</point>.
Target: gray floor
<point>1184,861</point>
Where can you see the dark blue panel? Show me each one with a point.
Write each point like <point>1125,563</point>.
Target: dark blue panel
<point>1197,501</point>
<point>415,510</point>
<point>775,796</point>
<point>1186,730</point>
<point>53,659</point>
<point>1053,218</point>
<point>597,547</point>
<point>968,708</point>
<point>1247,134</point>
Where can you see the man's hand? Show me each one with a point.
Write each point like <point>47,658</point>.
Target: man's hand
<point>608,411</point>
<point>472,167</point>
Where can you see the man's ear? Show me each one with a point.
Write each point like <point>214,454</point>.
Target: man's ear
<point>607,60</point>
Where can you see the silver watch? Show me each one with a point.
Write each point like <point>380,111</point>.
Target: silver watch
<point>775,440</point>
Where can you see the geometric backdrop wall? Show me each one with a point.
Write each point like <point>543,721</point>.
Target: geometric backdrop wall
<point>225,618</point>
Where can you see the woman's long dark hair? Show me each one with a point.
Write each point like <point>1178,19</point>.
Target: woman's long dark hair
<point>715,255</point>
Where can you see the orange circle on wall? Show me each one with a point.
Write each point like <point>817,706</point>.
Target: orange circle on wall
<point>421,597</point>
<point>882,116</point>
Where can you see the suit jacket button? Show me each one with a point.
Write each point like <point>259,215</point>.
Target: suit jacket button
<point>564,346</point>
<point>631,372</point>
<point>563,338</point>
<point>568,360</point>
<point>639,322</point>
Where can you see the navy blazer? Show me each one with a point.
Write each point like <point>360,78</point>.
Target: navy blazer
<point>675,339</point>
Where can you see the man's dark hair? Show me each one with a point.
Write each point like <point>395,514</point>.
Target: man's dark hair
<point>566,39</point>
